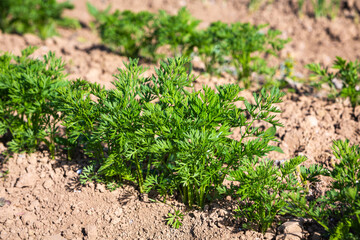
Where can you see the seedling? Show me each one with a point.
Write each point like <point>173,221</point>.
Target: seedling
<point>262,190</point>
<point>29,100</point>
<point>321,8</point>
<point>211,46</point>
<point>34,16</point>
<point>125,32</point>
<point>347,74</point>
<point>246,43</point>
<point>175,219</point>
<point>175,31</point>
<point>338,210</point>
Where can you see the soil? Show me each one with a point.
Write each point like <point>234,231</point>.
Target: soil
<point>45,198</point>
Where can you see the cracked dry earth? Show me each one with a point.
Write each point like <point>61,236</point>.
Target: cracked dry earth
<point>42,198</point>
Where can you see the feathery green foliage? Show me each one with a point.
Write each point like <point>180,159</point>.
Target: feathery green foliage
<point>125,32</point>
<point>34,16</point>
<point>155,132</point>
<point>246,44</point>
<point>348,73</point>
<point>263,190</point>
<point>29,98</point>
<point>219,46</point>
<point>338,211</point>
<point>211,46</point>
<point>175,219</point>
<point>175,31</point>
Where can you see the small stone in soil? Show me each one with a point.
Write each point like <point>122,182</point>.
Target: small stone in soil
<point>289,236</point>
<point>118,212</point>
<point>100,187</point>
<point>290,227</point>
<point>26,180</point>
<point>48,184</point>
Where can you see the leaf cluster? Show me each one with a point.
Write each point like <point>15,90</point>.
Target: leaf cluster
<point>175,219</point>
<point>155,132</point>
<point>321,8</point>
<point>247,44</point>
<point>348,73</point>
<point>338,210</point>
<point>175,31</point>
<point>239,45</point>
<point>142,34</point>
<point>263,190</point>
<point>164,136</point>
<point>125,32</point>
<point>211,47</point>
<point>34,16</point>
<point>29,98</point>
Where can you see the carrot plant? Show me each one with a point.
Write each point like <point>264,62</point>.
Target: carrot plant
<point>158,134</point>
<point>322,8</point>
<point>211,46</point>
<point>338,210</point>
<point>263,190</point>
<point>34,16</point>
<point>348,75</point>
<point>124,31</point>
<point>192,132</point>
<point>81,116</point>
<point>29,99</point>
<point>246,43</point>
<point>175,30</point>
<point>142,34</point>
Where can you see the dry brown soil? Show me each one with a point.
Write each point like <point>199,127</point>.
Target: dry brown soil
<point>46,199</point>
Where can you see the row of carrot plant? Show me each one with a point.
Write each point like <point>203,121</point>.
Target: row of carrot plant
<point>162,135</point>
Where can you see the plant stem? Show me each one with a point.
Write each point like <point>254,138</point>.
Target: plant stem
<point>139,173</point>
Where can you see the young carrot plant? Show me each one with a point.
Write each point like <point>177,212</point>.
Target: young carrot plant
<point>262,190</point>
<point>81,116</point>
<point>338,210</point>
<point>246,43</point>
<point>157,133</point>
<point>142,34</point>
<point>175,219</point>
<point>29,99</point>
<point>120,125</point>
<point>125,32</point>
<point>34,16</point>
<point>211,46</point>
<point>192,129</point>
<point>323,8</point>
<point>344,83</point>
<point>175,30</point>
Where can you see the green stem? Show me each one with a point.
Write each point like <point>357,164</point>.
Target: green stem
<point>190,196</point>
<point>149,165</point>
<point>201,196</point>
<point>139,173</point>
<point>184,193</point>
<point>316,219</point>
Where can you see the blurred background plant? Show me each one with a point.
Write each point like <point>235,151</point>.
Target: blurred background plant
<point>34,16</point>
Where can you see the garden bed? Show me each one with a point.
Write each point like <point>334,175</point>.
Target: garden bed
<point>45,199</point>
